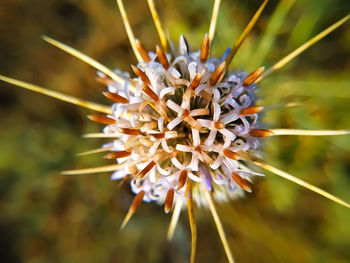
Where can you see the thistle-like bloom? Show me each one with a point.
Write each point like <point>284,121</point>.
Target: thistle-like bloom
<point>184,127</point>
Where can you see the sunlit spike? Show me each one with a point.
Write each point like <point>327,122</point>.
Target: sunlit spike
<point>100,135</point>
<point>174,219</point>
<point>162,57</point>
<point>145,170</point>
<point>191,217</point>
<point>97,65</point>
<point>251,110</point>
<point>244,34</point>
<point>142,75</point>
<point>309,132</point>
<point>159,27</point>
<point>133,207</point>
<point>98,150</point>
<point>230,154</point>
<point>117,154</point>
<point>150,92</point>
<point>142,50</point>
<point>213,20</point>
<point>220,70</point>
<point>131,131</point>
<point>58,95</point>
<point>204,49</point>
<point>252,77</point>
<point>169,200</point>
<point>128,30</point>
<point>115,97</point>
<point>101,119</point>
<point>303,47</point>
<point>242,183</point>
<point>100,169</point>
<point>182,179</point>
<point>196,81</point>
<point>218,223</point>
<point>298,181</point>
<point>261,133</point>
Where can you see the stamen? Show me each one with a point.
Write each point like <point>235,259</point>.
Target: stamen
<point>169,200</point>
<point>142,75</point>
<point>182,179</point>
<point>117,154</point>
<point>205,49</point>
<point>159,27</point>
<point>242,183</point>
<point>142,50</point>
<point>195,82</point>
<point>128,30</point>
<point>261,133</point>
<point>58,95</point>
<point>230,154</point>
<point>145,170</point>
<point>214,18</point>
<point>133,207</point>
<point>131,131</point>
<point>174,218</point>
<point>158,136</point>
<point>102,119</point>
<point>115,97</point>
<point>162,58</point>
<point>218,73</point>
<point>149,92</point>
<point>252,77</point>
<point>251,110</point>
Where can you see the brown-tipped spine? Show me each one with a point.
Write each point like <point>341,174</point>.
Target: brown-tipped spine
<point>115,97</point>
<point>142,50</point>
<point>117,154</point>
<point>196,81</point>
<point>150,92</point>
<point>218,73</point>
<point>101,119</point>
<point>145,170</point>
<point>251,110</point>
<point>136,202</point>
<point>142,75</point>
<point>131,131</point>
<point>230,154</point>
<point>169,200</point>
<point>261,133</point>
<point>162,57</point>
<point>182,179</point>
<point>204,49</point>
<point>242,183</point>
<point>252,77</point>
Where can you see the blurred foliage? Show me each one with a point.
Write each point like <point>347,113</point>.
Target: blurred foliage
<point>48,217</point>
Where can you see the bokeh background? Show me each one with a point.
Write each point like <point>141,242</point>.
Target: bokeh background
<point>49,217</point>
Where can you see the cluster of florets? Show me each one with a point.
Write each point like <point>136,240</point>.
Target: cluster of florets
<point>182,119</point>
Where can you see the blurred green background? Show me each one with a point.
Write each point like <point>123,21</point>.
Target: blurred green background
<point>49,217</point>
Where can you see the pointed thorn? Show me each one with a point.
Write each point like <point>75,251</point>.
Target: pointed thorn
<point>252,77</point>
<point>142,75</point>
<point>115,97</point>
<point>101,119</point>
<point>162,58</point>
<point>204,49</point>
<point>242,183</point>
<point>133,207</point>
<point>142,50</point>
<point>218,73</point>
<point>251,110</point>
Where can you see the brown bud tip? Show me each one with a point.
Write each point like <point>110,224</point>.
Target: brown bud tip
<point>230,154</point>
<point>117,154</point>
<point>204,49</point>
<point>218,73</point>
<point>252,77</point>
<point>137,201</point>
<point>115,97</point>
<point>142,75</point>
<point>182,179</point>
<point>145,170</point>
<point>261,133</point>
<point>158,136</point>
<point>219,125</point>
<point>196,80</point>
<point>169,199</point>
<point>150,92</point>
<point>101,119</point>
<point>251,110</point>
<point>142,50</point>
<point>162,57</point>
<point>130,131</point>
<point>242,183</point>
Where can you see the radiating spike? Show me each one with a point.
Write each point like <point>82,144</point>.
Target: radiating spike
<point>115,97</point>
<point>251,110</point>
<point>218,223</point>
<point>204,49</point>
<point>145,170</point>
<point>242,183</point>
<point>218,73</point>
<point>98,150</point>
<point>213,20</point>
<point>252,77</point>
<point>100,169</point>
<point>142,75</point>
<point>174,219</point>
<point>191,217</point>
<point>129,30</point>
<point>101,119</point>
<point>142,50</point>
<point>261,133</point>
<point>162,58</point>
<point>169,200</point>
<point>58,95</point>
<point>257,161</point>
<point>244,34</point>
<point>155,16</point>
<point>117,154</point>
<point>97,65</point>
<point>309,132</point>
<point>303,47</point>
<point>133,207</point>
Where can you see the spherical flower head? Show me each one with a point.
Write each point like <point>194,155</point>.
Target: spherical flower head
<point>180,119</point>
